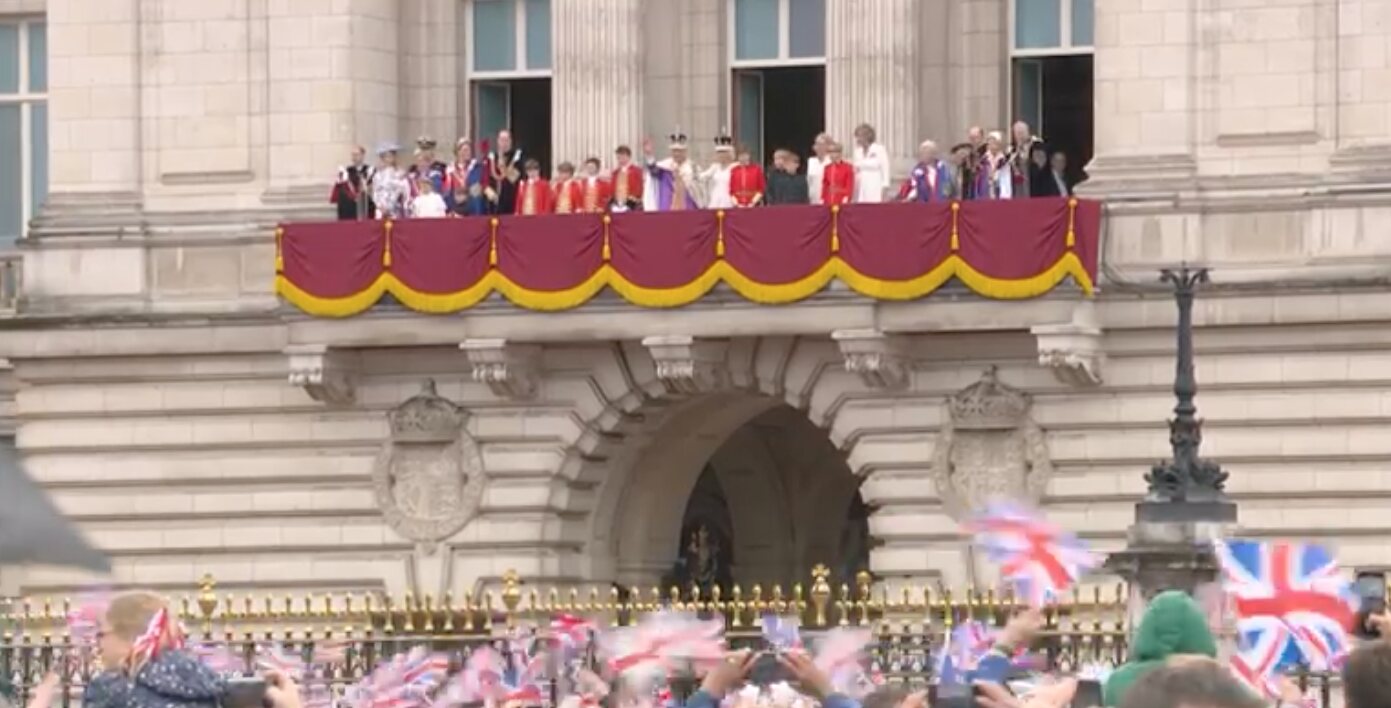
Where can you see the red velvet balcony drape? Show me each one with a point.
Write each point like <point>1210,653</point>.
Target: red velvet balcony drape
<point>1003,249</point>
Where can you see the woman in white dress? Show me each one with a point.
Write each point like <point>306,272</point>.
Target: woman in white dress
<point>716,176</point>
<point>872,168</point>
<point>816,166</point>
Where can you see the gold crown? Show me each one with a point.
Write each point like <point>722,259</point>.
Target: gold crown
<point>988,404</point>
<point>426,417</point>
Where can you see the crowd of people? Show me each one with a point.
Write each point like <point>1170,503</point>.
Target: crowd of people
<point>507,180</point>
<point>1172,664</point>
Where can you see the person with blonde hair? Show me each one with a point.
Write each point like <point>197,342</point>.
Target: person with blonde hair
<point>872,168</point>
<point>816,166</point>
<point>140,645</point>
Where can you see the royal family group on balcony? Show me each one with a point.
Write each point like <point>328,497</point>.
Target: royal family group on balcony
<point>508,180</point>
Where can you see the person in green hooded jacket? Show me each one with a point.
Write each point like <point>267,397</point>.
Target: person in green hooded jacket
<point>1173,625</point>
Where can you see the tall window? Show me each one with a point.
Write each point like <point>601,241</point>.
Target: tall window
<point>511,39</point>
<point>1051,54</point>
<point>510,72</point>
<point>778,33</point>
<point>777,51</point>
<point>23,124</point>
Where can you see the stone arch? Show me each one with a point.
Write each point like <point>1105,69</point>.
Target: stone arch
<point>649,446</point>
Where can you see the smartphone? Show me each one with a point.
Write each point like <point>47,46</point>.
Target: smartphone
<point>766,670</point>
<point>952,696</point>
<point>1088,694</point>
<point>245,692</point>
<point>1371,593</point>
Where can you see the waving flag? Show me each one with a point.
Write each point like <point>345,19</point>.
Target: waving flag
<point>1039,558</point>
<point>219,657</point>
<point>970,642</point>
<point>1291,603</point>
<point>479,680</point>
<point>161,634</point>
<point>839,654</point>
<point>571,632</point>
<point>84,620</point>
<point>283,661</point>
<point>663,642</point>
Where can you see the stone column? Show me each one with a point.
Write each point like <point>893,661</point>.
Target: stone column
<point>597,82</point>
<point>332,84</point>
<point>94,74</point>
<point>430,76</point>
<point>872,73</point>
<point>1146,97</point>
<point>1364,106</point>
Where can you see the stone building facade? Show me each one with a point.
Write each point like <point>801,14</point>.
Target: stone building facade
<point>192,423</point>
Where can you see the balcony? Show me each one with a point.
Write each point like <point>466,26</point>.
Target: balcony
<point>894,252</point>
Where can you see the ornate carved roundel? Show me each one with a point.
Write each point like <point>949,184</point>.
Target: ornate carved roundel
<point>989,447</point>
<point>429,475</point>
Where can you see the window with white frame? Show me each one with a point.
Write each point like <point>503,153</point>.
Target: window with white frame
<point>768,33</point>
<point>23,124</point>
<point>1050,27</point>
<point>511,39</point>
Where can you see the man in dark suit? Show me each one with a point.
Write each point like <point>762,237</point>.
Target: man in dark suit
<point>1053,181</point>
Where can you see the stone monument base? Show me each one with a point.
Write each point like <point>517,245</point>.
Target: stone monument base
<point>1169,547</point>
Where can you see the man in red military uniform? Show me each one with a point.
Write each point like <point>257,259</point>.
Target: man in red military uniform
<point>534,192</point>
<point>594,189</point>
<point>746,182</point>
<point>627,182</point>
<point>567,190</point>
<point>838,179</point>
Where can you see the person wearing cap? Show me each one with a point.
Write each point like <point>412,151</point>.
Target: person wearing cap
<point>468,191</point>
<point>717,176</point>
<point>390,188</point>
<point>747,184</point>
<point>426,165</point>
<point>672,184</point>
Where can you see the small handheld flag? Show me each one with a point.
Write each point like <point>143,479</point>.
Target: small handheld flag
<point>1041,559</point>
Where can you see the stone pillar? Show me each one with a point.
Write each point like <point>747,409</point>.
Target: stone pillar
<point>430,74</point>
<point>872,73</point>
<point>1145,91</point>
<point>94,75</point>
<point>1364,105</point>
<point>332,84</point>
<point>598,80</point>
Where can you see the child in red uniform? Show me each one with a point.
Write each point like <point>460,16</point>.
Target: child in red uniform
<point>534,193</point>
<point>567,190</point>
<point>838,180</point>
<point>747,184</point>
<point>594,189</point>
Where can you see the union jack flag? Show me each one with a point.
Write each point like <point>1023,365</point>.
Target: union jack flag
<point>840,654</point>
<point>662,642</point>
<point>1291,603</point>
<point>1041,559</point>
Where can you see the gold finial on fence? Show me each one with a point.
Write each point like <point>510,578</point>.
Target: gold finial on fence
<point>511,596</point>
<point>820,593</point>
<point>207,602</point>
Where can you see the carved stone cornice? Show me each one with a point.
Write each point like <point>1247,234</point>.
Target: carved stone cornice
<point>328,375</point>
<point>1074,351</point>
<point>877,358</point>
<point>510,370</point>
<point>686,365</point>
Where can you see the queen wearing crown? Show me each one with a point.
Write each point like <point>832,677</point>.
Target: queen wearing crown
<point>672,184</point>
<point>717,176</point>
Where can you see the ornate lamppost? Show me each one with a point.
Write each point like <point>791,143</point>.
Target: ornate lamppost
<point>1169,545</point>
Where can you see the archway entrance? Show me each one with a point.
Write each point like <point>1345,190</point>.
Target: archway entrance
<point>744,492</point>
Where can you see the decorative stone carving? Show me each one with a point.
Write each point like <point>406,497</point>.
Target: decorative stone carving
<point>1074,350</point>
<point>510,370</point>
<point>327,375</point>
<point>875,357</point>
<point>429,476</point>
<point>989,448</point>
<point>689,366</point>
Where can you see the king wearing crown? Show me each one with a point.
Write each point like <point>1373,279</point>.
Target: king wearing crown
<point>671,183</point>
